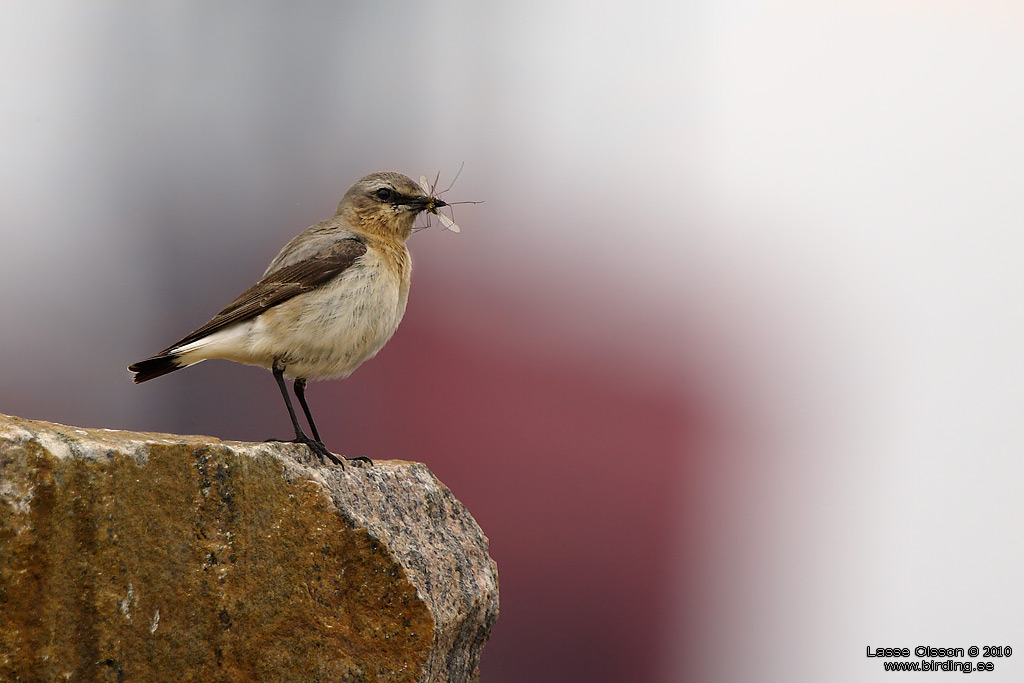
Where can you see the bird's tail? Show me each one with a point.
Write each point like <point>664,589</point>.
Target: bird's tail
<point>157,366</point>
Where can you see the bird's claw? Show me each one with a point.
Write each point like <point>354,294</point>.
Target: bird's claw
<point>319,450</point>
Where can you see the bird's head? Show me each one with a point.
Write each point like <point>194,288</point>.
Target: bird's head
<point>387,204</point>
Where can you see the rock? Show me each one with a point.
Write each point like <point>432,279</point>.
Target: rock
<point>131,556</point>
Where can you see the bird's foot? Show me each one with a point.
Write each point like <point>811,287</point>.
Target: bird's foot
<point>319,450</point>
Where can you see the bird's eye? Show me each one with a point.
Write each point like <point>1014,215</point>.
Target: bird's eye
<point>384,194</point>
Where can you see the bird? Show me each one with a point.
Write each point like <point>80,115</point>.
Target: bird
<point>328,302</point>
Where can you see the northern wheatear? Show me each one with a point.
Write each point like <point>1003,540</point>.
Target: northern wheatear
<point>328,301</point>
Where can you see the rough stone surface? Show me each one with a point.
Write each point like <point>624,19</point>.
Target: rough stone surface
<point>152,557</point>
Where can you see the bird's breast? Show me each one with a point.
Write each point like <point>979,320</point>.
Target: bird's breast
<point>331,331</point>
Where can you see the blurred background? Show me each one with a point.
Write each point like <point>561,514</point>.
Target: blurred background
<point>727,366</point>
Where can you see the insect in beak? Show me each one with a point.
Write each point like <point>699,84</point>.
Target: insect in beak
<point>434,203</point>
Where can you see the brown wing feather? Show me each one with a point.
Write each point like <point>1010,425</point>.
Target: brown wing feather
<point>281,285</point>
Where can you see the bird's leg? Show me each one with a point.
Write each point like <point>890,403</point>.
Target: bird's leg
<point>300,393</point>
<point>300,437</point>
<point>279,376</point>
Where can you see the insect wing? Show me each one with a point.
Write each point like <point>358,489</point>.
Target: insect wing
<point>424,185</point>
<point>448,222</point>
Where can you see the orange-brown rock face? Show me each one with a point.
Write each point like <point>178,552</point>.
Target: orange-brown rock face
<point>152,557</point>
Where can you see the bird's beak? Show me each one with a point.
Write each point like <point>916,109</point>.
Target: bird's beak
<point>430,204</point>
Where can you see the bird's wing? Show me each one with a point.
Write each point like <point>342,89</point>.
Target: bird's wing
<point>282,285</point>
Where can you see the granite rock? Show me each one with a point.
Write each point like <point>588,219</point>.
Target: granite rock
<point>130,556</point>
